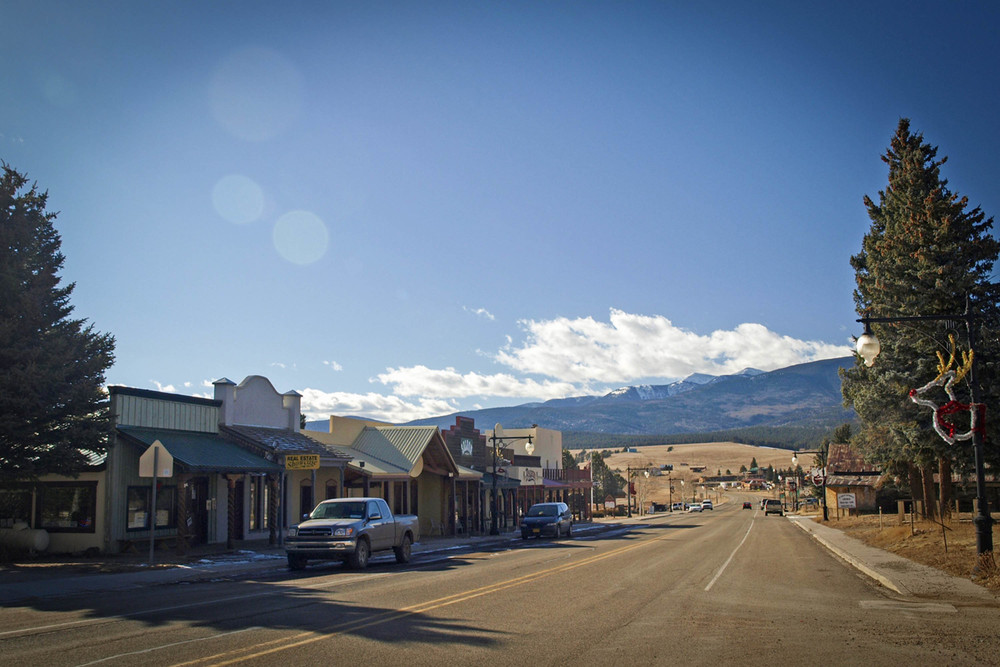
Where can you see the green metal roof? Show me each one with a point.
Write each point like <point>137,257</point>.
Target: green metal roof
<point>201,452</point>
<point>400,446</point>
<point>285,441</point>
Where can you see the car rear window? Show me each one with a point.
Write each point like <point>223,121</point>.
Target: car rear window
<point>543,510</point>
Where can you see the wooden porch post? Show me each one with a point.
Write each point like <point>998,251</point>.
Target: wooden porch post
<point>231,514</point>
<point>182,514</point>
<point>272,509</point>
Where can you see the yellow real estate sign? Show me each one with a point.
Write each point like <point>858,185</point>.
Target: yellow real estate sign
<point>301,461</point>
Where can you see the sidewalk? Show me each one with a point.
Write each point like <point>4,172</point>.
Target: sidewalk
<point>896,573</point>
<point>59,577</point>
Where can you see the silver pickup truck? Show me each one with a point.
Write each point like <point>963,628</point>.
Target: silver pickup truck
<point>351,530</point>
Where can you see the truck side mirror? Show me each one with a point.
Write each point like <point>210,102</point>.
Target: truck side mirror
<point>375,516</point>
<point>305,517</point>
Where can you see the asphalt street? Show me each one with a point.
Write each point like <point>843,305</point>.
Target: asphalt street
<point>689,588</point>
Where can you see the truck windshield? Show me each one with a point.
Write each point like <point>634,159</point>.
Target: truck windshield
<point>339,511</point>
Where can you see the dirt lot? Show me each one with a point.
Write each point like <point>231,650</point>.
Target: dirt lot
<point>924,543</point>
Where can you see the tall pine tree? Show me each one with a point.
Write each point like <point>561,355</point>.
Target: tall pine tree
<point>54,412</point>
<point>927,253</point>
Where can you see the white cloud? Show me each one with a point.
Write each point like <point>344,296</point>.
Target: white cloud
<point>169,388</point>
<point>449,383</point>
<point>333,365</point>
<point>317,404</point>
<point>629,347</point>
<point>574,357</point>
<point>481,312</point>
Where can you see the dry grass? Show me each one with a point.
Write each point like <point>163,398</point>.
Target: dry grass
<point>925,543</point>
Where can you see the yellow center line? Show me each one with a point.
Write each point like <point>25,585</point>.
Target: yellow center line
<point>312,636</point>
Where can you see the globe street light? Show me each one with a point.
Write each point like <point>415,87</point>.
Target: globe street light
<point>869,347</point>
<point>498,441</point>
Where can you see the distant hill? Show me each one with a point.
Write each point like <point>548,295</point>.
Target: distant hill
<point>806,396</point>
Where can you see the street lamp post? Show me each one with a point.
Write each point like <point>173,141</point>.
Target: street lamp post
<point>628,489</point>
<point>869,348</point>
<point>670,492</point>
<point>795,470</point>
<point>498,440</point>
<point>644,489</point>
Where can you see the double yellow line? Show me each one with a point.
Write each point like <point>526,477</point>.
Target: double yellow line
<point>305,638</point>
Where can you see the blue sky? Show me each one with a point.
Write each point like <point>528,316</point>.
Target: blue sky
<point>408,209</point>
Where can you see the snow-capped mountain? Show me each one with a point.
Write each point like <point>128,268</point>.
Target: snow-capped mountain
<point>804,394</point>
<point>651,392</point>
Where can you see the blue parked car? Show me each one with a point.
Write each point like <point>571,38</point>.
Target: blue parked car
<point>553,519</point>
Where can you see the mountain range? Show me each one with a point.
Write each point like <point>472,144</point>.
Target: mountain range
<point>805,395</point>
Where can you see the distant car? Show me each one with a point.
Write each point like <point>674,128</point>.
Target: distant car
<point>694,507</point>
<point>553,519</point>
<point>707,505</point>
<point>678,507</point>
<point>810,501</point>
<point>747,505</point>
<point>773,506</point>
<point>658,507</point>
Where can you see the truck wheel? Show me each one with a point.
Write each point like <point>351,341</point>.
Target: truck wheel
<point>569,531</point>
<point>359,559</point>
<point>296,562</point>
<point>403,550</point>
<point>558,531</point>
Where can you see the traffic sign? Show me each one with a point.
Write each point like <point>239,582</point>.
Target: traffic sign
<point>156,461</point>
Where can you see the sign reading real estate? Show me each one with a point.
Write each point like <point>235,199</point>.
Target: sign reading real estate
<point>846,501</point>
<point>301,461</point>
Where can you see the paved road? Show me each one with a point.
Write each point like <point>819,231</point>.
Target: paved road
<point>729,586</point>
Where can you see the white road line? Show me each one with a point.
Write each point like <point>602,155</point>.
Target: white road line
<point>895,605</point>
<point>728,560</point>
<point>160,648</point>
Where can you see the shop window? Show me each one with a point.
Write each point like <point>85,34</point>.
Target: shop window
<point>67,507</point>
<point>140,505</point>
<point>15,506</point>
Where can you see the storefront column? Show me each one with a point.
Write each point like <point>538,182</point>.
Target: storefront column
<point>182,514</point>
<point>273,488</point>
<point>231,513</point>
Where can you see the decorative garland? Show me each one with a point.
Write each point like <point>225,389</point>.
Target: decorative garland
<point>946,429</point>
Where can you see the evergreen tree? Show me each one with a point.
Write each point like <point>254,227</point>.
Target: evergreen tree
<point>606,481</point>
<point>568,460</point>
<point>926,253</point>
<point>54,412</point>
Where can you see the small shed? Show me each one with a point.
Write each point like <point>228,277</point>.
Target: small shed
<point>847,474</point>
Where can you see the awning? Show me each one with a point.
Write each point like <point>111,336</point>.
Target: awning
<point>468,474</point>
<point>503,482</point>
<point>852,480</point>
<point>201,452</point>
